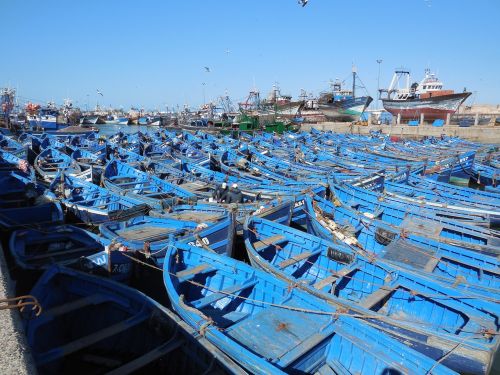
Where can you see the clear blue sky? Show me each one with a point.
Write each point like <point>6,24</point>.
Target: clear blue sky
<point>151,53</point>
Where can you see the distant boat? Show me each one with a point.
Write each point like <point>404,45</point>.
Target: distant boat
<point>154,121</point>
<point>427,98</point>
<point>90,120</point>
<point>47,118</point>
<point>283,105</point>
<point>342,104</point>
<point>111,119</point>
<point>123,120</point>
<point>276,103</point>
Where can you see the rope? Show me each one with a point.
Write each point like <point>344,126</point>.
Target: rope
<point>340,311</point>
<point>436,363</point>
<point>373,256</point>
<point>403,236</point>
<point>20,303</point>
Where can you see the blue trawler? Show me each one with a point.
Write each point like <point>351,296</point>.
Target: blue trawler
<point>342,104</point>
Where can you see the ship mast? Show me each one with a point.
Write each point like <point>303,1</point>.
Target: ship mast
<point>353,81</point>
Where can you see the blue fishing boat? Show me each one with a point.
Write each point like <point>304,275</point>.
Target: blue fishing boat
<point>279,210</point>
<point>417,311</point>
<point>12,163</point>
<point>458,267</point>
<point>272,328</point>
<point>444,198</point>
<point>152,235</point>
<point>157,193</point>
<point>47,118</point>
<point>50,161</point>
<point>90,159</point>
<point>36,249</point>
<point>92,325</point>
<point>10,145</point>
<point>485,175</point>
<point>123,120</point>
<point>460,192</point>
<point>413,219</point>
<point>462,170</point>
<point>462,214</point>
<point>92,204</point>
<point>39,216</point>
<point>19,190</point>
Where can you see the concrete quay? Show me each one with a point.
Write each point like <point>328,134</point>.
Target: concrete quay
<point>480,133</point>
<point>15,355</point>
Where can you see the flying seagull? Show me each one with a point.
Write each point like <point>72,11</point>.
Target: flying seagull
<point>303,3</point>
<point>207,69</point>
<point>99,93</point>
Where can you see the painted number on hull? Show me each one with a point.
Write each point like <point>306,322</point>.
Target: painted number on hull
<point>121,268</point>
<point>197,243</point>
<point>299,203</point>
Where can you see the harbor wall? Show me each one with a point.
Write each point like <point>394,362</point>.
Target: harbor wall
<point>15,357</point>
<point>480,133</point>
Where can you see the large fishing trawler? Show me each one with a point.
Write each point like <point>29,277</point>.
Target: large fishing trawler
<point>427,97</point>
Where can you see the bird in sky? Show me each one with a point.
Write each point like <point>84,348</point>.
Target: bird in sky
<point>99,93</point>
<point>303,3</point>
<point>207,69</point>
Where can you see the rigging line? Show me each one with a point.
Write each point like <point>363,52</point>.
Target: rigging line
<point>370,222</point>
<point>329,271</point>
<point>340,311</point>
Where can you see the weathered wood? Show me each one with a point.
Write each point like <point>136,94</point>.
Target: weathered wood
<point>63,252</point>
<point>93,299</point>
<point>320,284</point>
<point>259,245</point>
<point>93,338</point>
<point>377,296</point>
<point>298,258</point>
<point>149,357</point>
<point>214,297</point>
<point>189,273</point>
<point>145,233</point>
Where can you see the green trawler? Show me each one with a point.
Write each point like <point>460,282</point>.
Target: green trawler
<point>252,123</point>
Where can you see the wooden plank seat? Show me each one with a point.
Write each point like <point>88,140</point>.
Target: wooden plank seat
<point>63,252</point>
<point>214,297</point>
<point>149,357</point>
<point>146,233</point>
<point>152,194</point>
<point>190,273</point>
<point>273,240</point>
<point>91,339</point>
<point>320,284</point>
<point>298,258</point>
<point>198,217</point>
<point>126,183</point>
<point>88,201</point>
<point>377,296</point>
<point>93,299</point>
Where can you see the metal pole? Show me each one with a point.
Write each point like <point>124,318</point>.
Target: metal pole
<point>379,61</point>
<point>353,81</point>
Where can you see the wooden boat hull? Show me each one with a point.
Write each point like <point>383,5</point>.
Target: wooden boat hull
<point>268,327</point>
<point>325,270</point>
<point>92,324</point>
<point>158,232</point>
